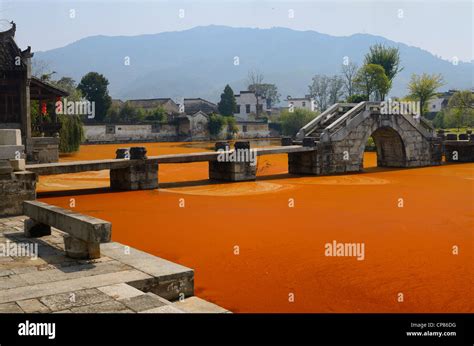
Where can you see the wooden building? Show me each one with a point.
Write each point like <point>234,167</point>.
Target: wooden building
<point>17,88</point>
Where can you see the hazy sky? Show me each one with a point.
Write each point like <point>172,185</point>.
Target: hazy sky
<point>442,27</point>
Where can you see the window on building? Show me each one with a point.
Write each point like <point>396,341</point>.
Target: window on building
<point>304,104</point>
<point>238,108</point>
<point>260,107</point>
<point>247,109</point>
<point>244,128</point>
<point>110,129</point>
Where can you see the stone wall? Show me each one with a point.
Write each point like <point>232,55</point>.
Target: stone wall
<point>44,150</point>
<point>16,185</point>
<point>193,128</point>
<point>115,133</point>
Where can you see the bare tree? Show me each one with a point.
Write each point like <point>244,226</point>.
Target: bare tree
<point>349,73</point>
<point>319,90</point>
<point>336,84</point>
<point>255,81</point>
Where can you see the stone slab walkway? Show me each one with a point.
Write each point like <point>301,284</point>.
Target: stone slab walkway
<point>37,277</point>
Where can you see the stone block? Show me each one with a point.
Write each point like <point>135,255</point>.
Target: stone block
<point>75,298</point>
<point>18,165</point>
<point>8,152</point>
<point>34,229</point>
<point>242,145</point>
<point>285,141</point>
<point>138,153</point>
<point>309,142</point>
<point>122,153</point>
<point>5,167</point>
<point>79,249</point>
<point>222,146</point>
<point>32,306</point>
<point>198,305</point>
<point>142,302</point>
<point>10,137</point>
<point>121,291</point>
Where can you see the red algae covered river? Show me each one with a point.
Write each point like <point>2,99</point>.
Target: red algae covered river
<point>416,226</point>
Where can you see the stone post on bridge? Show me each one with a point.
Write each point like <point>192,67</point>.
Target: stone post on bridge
<point>142,174</point>
<point>239,164</point>
<point>305,162</point>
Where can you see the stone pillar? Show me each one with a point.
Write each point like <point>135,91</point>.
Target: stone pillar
<point>122,153</point>
<point>304,162</point>
<point>79,249</point>
<point>235,165</point>
<point>140,175</point>
<point>285,141</point>
<point>34,229</point>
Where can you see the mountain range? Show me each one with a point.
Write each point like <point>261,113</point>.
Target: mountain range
<point>199,62</point>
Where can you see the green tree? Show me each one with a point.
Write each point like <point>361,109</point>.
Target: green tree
<point>94,88</point>
<point>388,58</point>
<point>128,113</point>
<point>438,120</point>
<point>158,114</point>
<point>215,124</point>
<point>68,84</point>
<point>460,110</point>
<point>371,79</point>
<point>291,122</point>
<point>423,88</point>
<point>227,104</point>
<point>356,98</point>
<point>71,134</point>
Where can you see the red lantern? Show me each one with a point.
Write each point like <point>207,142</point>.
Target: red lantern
<point>43,108</point>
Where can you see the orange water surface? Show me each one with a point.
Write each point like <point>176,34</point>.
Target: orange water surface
<point>409,220</point>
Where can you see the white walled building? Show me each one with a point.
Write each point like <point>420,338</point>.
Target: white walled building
<point>247,105</point>
<point>301,102</point>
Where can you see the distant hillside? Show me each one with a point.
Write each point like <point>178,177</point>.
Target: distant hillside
<point>200,61</point>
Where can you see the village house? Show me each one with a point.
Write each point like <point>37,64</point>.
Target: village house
<point>170,107</point>
<point>247,106</point>
<point>306,102</point>
<point>194,105</point>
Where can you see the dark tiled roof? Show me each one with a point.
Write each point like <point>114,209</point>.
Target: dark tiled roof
<point>9,52</point>
<point>192,106</point>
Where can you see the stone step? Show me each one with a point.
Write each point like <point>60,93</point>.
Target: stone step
<point>8,152</point>
<point>198,305</point>
<point>170,280</point>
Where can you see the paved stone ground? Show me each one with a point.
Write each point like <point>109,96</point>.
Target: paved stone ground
<point>123,280</point>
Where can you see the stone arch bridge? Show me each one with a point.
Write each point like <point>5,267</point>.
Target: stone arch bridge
<point>340,134</point>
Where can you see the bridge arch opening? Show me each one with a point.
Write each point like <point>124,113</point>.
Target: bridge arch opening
<point>390,148</point>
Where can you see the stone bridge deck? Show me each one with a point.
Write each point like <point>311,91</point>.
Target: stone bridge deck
<point>98,165</point>
<point>123,280</point>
